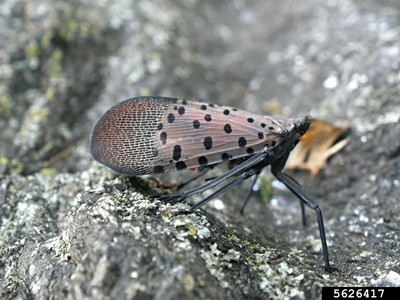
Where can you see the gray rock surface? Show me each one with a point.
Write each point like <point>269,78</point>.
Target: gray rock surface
<point>72,229</point>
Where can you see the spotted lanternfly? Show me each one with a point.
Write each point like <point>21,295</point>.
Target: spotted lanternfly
<point>150,135</point>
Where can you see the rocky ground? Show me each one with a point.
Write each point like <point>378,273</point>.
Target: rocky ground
<point>71,228</point>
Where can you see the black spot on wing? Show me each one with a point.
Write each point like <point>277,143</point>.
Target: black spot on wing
<point>176,155</point>
<point>163,137</point>
<point>196,124</point>
<point>207,117</point>
<point>171,118</point>
<point>227,128</point>
<point>203,161</point>
<point>242,142</point>
<point>180,165</point>
<point>207,143</point>
<point>181,110</point>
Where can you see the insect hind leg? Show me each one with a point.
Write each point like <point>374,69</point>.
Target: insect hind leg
<point>226,187</point>
<point>193,178</point>
<point>246,166</point>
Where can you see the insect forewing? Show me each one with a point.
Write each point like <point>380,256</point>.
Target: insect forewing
<point>149,135</point>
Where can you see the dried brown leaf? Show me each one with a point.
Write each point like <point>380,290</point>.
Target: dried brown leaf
<point>316,146</point>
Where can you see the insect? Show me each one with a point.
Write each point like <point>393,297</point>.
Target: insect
<point>150,135</point>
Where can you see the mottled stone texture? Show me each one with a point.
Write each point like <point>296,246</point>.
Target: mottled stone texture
<point>72,229</point>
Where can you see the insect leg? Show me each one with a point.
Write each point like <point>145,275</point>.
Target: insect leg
<point>249,193</point>
<point>295,188</point>
<point>189,180</point>
<point>303,213</point>
<point>226,187</point>
<point>252,161</point>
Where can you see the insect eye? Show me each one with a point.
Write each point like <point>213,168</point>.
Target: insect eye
<point>302,126</point>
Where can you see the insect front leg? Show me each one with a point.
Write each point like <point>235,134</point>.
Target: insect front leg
<point>296,189</point>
